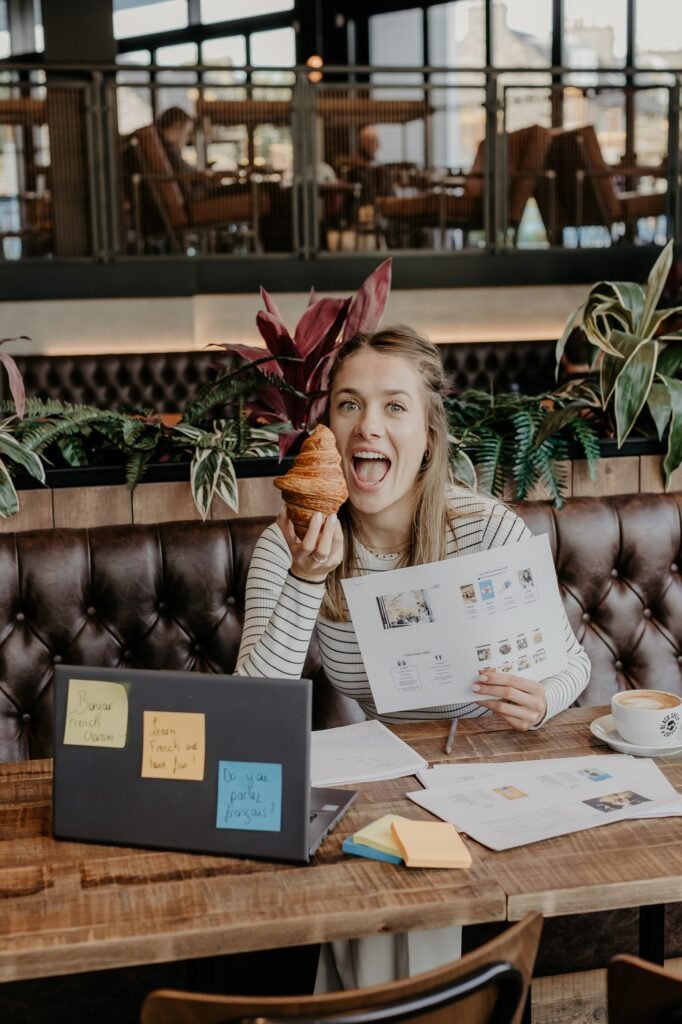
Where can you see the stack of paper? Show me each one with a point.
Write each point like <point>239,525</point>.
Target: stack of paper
<point>376,841</point>
<point>509,804</point>
<point>366,752</point>
<point>430,844</point>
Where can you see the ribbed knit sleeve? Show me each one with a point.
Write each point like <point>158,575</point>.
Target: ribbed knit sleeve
<point>280,613</point>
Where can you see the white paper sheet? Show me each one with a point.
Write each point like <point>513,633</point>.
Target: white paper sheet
<point>426,631</point>
<point>525,801</point>
<point>365,752</point>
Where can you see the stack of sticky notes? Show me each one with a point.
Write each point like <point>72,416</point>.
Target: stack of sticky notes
<point>419,844</point>
<point>376,841</point>
<point>430,844</point>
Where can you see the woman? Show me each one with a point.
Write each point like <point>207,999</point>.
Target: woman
<point>386,411</point>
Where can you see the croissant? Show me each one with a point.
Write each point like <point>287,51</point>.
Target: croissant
<point>315,482</point>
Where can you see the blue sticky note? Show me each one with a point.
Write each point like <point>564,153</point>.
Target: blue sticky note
<point>249,796</point>
<point>358,850</point>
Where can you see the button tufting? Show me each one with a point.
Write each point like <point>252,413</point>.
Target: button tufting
<point>26,718</point>
<point>196,648</point>
<point>19,617</point>
<point>57,659</point>
<point>615,574</point>
<point>647,613</point>
<point>674,567</point>
<point>91,612</point>
<point>231,600</point>
<point>127,655</point>
<point>162,606</point>
<point>618,666</point>
<point>587,617</point>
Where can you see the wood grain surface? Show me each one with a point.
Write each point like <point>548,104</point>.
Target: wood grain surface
<point>71,907</point>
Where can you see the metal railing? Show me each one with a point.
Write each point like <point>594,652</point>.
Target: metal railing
<point>269,162</point>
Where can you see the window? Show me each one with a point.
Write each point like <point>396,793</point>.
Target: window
<point>522,33</point>
<point>144,17</point>
<point>457,34</point>
<point>226,10</point>
<point>595,33</point>
<point>178,87</point>
<point>658,34</point>
<point>228,52</point>
<point>5,48</point>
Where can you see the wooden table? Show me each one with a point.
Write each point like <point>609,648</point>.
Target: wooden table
<point>69,907</point>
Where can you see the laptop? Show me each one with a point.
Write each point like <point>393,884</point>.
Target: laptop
<point>188,761</point>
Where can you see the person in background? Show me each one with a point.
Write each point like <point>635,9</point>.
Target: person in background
<point>175,128</point>
<point>385,408</point>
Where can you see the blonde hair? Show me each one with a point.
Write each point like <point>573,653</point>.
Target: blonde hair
<point>427,542</point>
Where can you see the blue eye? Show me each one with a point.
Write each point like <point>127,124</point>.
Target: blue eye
<point>347,404</point>
<point>396,407</point>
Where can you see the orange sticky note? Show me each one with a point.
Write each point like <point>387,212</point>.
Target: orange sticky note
<point>173,745</point>
<point>430,844</point>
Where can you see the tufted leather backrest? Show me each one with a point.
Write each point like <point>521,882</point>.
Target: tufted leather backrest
<point>171,596</point>
<point>166,381</point>
<point>618,562</point>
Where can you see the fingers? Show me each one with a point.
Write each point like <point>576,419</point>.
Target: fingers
<point>520,701</point>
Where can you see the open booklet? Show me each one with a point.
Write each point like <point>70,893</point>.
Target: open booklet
<point>364,752</point>
<point>510,804</point>
<point>426,631</point>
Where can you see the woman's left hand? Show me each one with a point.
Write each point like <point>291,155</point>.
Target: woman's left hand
<point>522,702</point>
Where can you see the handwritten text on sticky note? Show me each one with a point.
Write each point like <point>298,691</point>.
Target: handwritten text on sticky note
<point>249,796</point>
<point>96,714</point>
<point>173,745</point>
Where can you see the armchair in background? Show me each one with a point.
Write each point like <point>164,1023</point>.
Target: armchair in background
<point>459,202</point>
<point>586,192</point>
<point>639,991</point>
<point>159,207</point>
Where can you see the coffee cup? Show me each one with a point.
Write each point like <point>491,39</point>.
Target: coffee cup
<point>648,718</point>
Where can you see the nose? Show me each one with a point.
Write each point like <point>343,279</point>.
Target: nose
<point>368,424</point>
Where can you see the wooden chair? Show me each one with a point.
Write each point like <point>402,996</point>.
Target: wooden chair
<point>642,993</point>
<point>440,208</point>
<point>489,985</point>
<point>155,185</point>
<point>585,192</point>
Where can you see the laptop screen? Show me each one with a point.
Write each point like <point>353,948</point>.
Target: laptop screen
<point>183,760</point>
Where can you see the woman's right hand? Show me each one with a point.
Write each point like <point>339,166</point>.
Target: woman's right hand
<point>320,551</point>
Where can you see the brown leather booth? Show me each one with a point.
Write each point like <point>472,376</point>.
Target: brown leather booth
<point>171,596</point>
<point>167,381</point>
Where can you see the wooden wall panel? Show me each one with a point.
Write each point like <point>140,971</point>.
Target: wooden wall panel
<point>614,476</point>
<point>35,512</point>
<point>92,506</point>
<point>257,497</point>
<point>651,476</point>
<point>163,503</point>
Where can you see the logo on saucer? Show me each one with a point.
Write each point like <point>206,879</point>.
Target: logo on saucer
<point>670,724</point>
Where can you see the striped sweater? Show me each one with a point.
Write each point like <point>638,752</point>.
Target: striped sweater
<point>281,613</point>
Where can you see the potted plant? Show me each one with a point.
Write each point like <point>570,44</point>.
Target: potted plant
<point>638,362</point>
<point>12,447</point>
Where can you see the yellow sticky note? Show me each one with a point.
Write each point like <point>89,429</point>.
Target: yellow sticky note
<point>430,844</point>
<point>173,745</point>
<point>96,714</point>
<point>378,835</point>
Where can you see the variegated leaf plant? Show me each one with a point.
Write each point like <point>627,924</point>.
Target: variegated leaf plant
<point>638,363</point>
<point>10,446</point>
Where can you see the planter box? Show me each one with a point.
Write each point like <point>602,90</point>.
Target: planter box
<point>97,495</point>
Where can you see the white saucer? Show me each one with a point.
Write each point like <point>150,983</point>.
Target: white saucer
<point>604,729</point>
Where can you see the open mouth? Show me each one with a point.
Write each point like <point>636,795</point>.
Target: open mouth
<point>370,467</point>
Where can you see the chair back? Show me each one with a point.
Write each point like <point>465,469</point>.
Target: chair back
<point>639,991</point>
<point>489,986</point>
<point>584,185</point>
<point>527,150</point>
<point>159,179</point>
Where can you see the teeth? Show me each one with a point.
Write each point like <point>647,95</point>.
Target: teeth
<point>369,455</point>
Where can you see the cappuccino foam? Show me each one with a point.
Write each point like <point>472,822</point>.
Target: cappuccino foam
<point>648,701</point>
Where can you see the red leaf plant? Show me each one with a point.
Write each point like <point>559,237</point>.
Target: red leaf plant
<point>302,363</point>
<point>16,384</point>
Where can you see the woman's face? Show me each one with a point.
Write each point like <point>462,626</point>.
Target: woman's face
<point>378,417</point>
